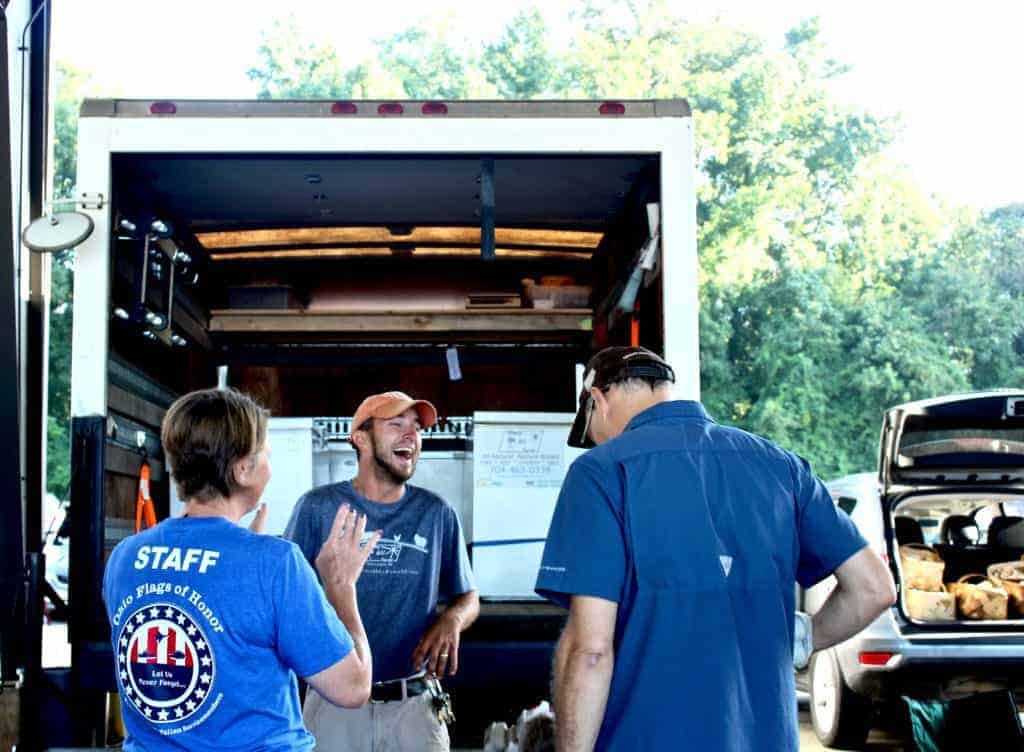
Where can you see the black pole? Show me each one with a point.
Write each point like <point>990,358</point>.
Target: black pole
<point>12,543</point>
<point>487,218</point>
<point>35,326</point>
<point>30,722</point>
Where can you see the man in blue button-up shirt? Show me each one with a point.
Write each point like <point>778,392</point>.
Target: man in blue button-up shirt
<point>676,544</point>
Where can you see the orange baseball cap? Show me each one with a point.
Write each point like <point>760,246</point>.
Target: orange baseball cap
<point>390,404</point>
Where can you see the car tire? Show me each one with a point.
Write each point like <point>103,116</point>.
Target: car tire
<point>841,718</point>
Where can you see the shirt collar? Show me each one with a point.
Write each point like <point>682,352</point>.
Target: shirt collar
<point>675,410</point>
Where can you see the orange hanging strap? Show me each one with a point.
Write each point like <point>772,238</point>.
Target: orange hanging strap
<point>144,509</point>
<point>634,326</point>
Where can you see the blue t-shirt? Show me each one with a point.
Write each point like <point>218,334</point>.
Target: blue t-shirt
<point>210,623</point>
<point>699,532</point>
<point>420,558</point>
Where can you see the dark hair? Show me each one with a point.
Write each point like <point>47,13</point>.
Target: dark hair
<point>204,433</point>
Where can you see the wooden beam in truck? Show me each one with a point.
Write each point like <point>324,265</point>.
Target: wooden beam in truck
<point>525,320</point>
<point>132,406</point>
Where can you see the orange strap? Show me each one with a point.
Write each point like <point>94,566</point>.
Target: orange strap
<point>634,326</point>
<point>144,509</point>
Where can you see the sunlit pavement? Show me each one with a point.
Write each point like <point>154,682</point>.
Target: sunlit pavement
<point>879,741</point>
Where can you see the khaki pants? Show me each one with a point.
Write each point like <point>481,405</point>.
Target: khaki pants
<point>401,726</point>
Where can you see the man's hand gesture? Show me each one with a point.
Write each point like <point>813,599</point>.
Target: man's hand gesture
<point>341,558</point>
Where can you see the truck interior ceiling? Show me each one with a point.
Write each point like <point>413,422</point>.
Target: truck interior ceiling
<point>478,282</point>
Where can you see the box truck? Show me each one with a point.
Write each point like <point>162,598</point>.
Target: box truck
<point>472,253</point>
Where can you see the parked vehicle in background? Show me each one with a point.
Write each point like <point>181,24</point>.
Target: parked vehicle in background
<point>951,476</point>
<point>55,546</point>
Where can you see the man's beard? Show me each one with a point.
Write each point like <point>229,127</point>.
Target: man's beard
<point>383,460</point>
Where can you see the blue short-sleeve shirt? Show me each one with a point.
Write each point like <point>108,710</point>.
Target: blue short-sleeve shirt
<point>210,624</point>
<point>699,532</point>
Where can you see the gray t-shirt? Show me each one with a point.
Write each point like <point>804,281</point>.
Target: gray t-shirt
<point>421,558</point>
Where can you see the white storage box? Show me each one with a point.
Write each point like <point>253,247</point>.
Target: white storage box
<point>519,463</point>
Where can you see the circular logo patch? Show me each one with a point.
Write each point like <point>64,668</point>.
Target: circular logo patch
<point>164,663</point>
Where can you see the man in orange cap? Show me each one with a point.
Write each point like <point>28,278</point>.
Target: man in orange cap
<point>420,559</point>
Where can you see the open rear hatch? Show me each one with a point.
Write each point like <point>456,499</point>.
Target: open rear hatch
<point>951,470</point>
<point>973,440</point>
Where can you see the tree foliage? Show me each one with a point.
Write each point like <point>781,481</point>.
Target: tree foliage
<point>71,85</point>
<point>832,286</point>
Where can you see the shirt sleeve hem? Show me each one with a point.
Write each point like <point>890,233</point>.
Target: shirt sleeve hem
<point>316,667</point>
<point>561,595</point>
<point>829,567</point>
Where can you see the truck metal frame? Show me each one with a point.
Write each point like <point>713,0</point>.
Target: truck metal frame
<point>112,129</point>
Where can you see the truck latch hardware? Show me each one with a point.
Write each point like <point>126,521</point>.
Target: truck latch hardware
<point>92,200</point>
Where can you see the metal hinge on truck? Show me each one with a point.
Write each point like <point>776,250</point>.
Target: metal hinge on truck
<point>91,201</point>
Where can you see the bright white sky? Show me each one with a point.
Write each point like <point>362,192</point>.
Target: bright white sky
<point>950,70</point>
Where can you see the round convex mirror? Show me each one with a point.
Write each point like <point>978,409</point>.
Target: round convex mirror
<point>57,232</point>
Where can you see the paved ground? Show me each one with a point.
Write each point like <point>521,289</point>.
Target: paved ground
<point>880,740</point>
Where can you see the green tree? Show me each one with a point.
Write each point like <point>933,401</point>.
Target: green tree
<point>832,286</point>
<point>292,68</point>
<point>520,63</point>
<point>429,61</point>
<point>71,85</point>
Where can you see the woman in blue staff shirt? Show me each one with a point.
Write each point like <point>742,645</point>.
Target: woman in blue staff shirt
<point>210,621</point>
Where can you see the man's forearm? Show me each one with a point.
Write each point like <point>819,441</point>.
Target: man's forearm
<point>864,589</point>
<point>464,609</point>
<point>844,614</point>
<point>582,677</point>
<point>343,598</point>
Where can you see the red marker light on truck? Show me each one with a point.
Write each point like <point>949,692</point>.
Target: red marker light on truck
<point>875,659</point>
<point>435,108</point>
<point>612,108</point>
<point>390,108</point>
<point>344,108</point>
<point>163,108</point>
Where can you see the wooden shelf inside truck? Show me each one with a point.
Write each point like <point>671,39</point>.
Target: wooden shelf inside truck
<point>382,321</point>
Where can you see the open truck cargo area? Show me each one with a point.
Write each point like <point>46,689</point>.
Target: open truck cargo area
<point>474,254</point>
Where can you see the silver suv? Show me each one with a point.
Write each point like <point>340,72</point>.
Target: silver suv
<point>951,475</point>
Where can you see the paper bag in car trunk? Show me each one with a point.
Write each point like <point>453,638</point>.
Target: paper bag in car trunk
<point>924,605</point>
<point>982,599</point>
<point>1009,575</point>
<point>922,567</point>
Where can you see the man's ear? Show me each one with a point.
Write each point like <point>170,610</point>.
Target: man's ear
<point>360,439</point>
<point>600,401</point>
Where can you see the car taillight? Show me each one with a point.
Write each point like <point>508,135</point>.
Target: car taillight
<point>875,659</point>
<point>612,108</point>
<point>344,108</point>
<point>435,108</point>
<point>390,108</point>
<point>163,108</point>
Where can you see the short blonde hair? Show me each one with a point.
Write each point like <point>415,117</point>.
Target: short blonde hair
<point>204,433</point>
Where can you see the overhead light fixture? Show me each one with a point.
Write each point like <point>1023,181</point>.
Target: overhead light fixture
<point>421,252</point>
<point>504,236</point>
